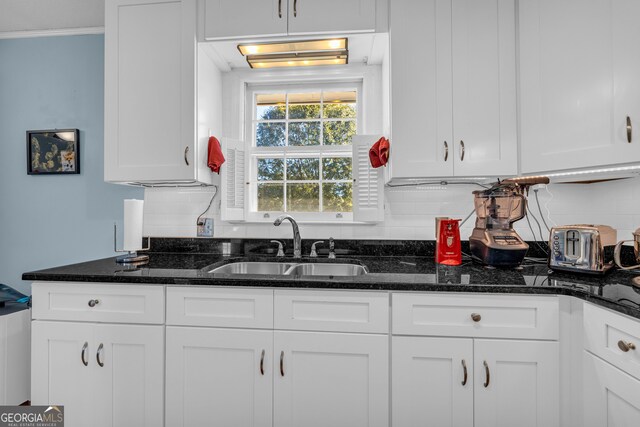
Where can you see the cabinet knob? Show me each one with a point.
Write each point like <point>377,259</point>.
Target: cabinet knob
<point>93,302</point>
<point>626,346</point>
<point>475,317</point>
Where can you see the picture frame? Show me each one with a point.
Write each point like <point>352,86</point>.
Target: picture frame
<point>53,152</point>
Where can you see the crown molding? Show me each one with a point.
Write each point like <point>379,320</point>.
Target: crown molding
<point>51,33</point>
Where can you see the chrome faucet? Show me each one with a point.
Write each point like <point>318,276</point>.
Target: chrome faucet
<point>297,241</point>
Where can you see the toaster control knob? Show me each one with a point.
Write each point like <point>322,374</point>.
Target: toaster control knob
<point>556,238</point>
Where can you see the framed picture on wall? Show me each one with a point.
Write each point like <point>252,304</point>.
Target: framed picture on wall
<point>54,151</point>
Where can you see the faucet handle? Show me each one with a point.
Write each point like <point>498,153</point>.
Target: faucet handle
<point>280,248</point>
<point>332,248</point>
<point>314,253</point>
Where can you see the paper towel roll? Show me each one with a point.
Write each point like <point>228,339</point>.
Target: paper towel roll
<point>133,217</point>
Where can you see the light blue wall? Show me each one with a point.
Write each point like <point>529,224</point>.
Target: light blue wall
<point>47,221</point>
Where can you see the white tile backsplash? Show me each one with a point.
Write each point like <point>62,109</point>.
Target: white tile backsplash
<point>409,212</point>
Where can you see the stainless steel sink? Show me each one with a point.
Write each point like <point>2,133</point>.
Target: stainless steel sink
<point>289,269</point>
<point>269,268</point>
<point>328,270</point>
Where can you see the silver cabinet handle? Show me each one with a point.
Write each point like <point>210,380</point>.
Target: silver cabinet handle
<point>93,302</point>
<point>262,363</point>
<point>282,363</point>
<point>85,362</point>
<point>464,370</point>
<point>186,151</point>
<point>314,252</point>
<point>461,150</point>
<point>100,362</point>
<point>279,8</point>
<point>626,346</point>
<point>629,129</point>
<point>446,151</point>
<point>295,8</point>
<point>487,374</point>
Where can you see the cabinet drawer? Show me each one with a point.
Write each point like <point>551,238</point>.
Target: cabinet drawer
<point>98,302</point>
<point>497,316</point>
<point>605,332</point>
<point>330,311</point>
<point>221,307</point>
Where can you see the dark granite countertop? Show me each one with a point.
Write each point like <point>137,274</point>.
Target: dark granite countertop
<point>618,290</point>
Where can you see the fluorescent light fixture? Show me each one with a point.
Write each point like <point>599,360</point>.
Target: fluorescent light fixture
<point>304,53</point>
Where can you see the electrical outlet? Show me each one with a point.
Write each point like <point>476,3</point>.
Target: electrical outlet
<point>205,227</point>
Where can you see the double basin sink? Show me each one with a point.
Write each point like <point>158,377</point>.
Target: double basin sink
<point>289,268</point>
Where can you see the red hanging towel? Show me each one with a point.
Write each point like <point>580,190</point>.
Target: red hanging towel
<point>216,158</point>
<point>379,153</point>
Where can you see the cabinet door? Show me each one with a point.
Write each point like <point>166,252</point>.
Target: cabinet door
<point>331,16</point>
<point>516,383</point>
<point>244,18</point>
<point>432,382</point>
<point>150,90</point>
<point>574,61</point>
<point>59,376</point>
<point>421,98</point>
<point>611,397</point>
<point>219,377</point>
<point>484,88</point>
<point>626,78</point>
<point>129,375</point>
<point>325,379</point>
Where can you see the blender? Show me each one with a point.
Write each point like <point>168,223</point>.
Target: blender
<point>493,241</point>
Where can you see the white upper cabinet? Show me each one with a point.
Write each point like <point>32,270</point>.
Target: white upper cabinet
<point>453,88</point>
<point>245,18</point>
<point>228,19</point>
<point>331,16</point>
<point>151,133</point>
<point>579,82</point>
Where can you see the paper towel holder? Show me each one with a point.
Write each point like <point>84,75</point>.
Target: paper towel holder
<point>130,257</point>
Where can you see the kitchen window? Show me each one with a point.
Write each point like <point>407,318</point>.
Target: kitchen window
<point>299,150</point>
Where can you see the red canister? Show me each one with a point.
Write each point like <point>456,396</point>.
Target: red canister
<point>448,241</point>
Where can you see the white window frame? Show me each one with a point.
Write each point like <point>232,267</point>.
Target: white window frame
<point>321,151</point>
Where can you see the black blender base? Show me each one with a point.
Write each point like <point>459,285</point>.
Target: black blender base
<point>505,258</point>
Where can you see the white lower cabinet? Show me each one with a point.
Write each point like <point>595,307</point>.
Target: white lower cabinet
<point>432,382</point>
<point>219,377</point>
<point>516,383</point>
<point>329,379</point>
<point>611,397</point>
<point>103,374</point>
<point>435,382</point>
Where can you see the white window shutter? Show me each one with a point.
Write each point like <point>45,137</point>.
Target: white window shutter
<point>232,180</point>
<point>368,195</point>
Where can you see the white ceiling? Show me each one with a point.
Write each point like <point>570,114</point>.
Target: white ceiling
<point>43,15</point>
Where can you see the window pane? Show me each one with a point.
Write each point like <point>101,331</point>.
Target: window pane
<point>270,169</point>
<point>270,197</point>
<point>303,197</point>
<point>304,134</point>
<point>336,168</point>
<point>339,105</point>
<point>270,134</point>
<point>270,106</point>
<point>303,169</point>
<point>304,105</point>
<point>336,197</point>
<point>339,133</point>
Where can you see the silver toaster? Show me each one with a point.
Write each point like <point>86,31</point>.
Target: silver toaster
<point>582,248</point>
